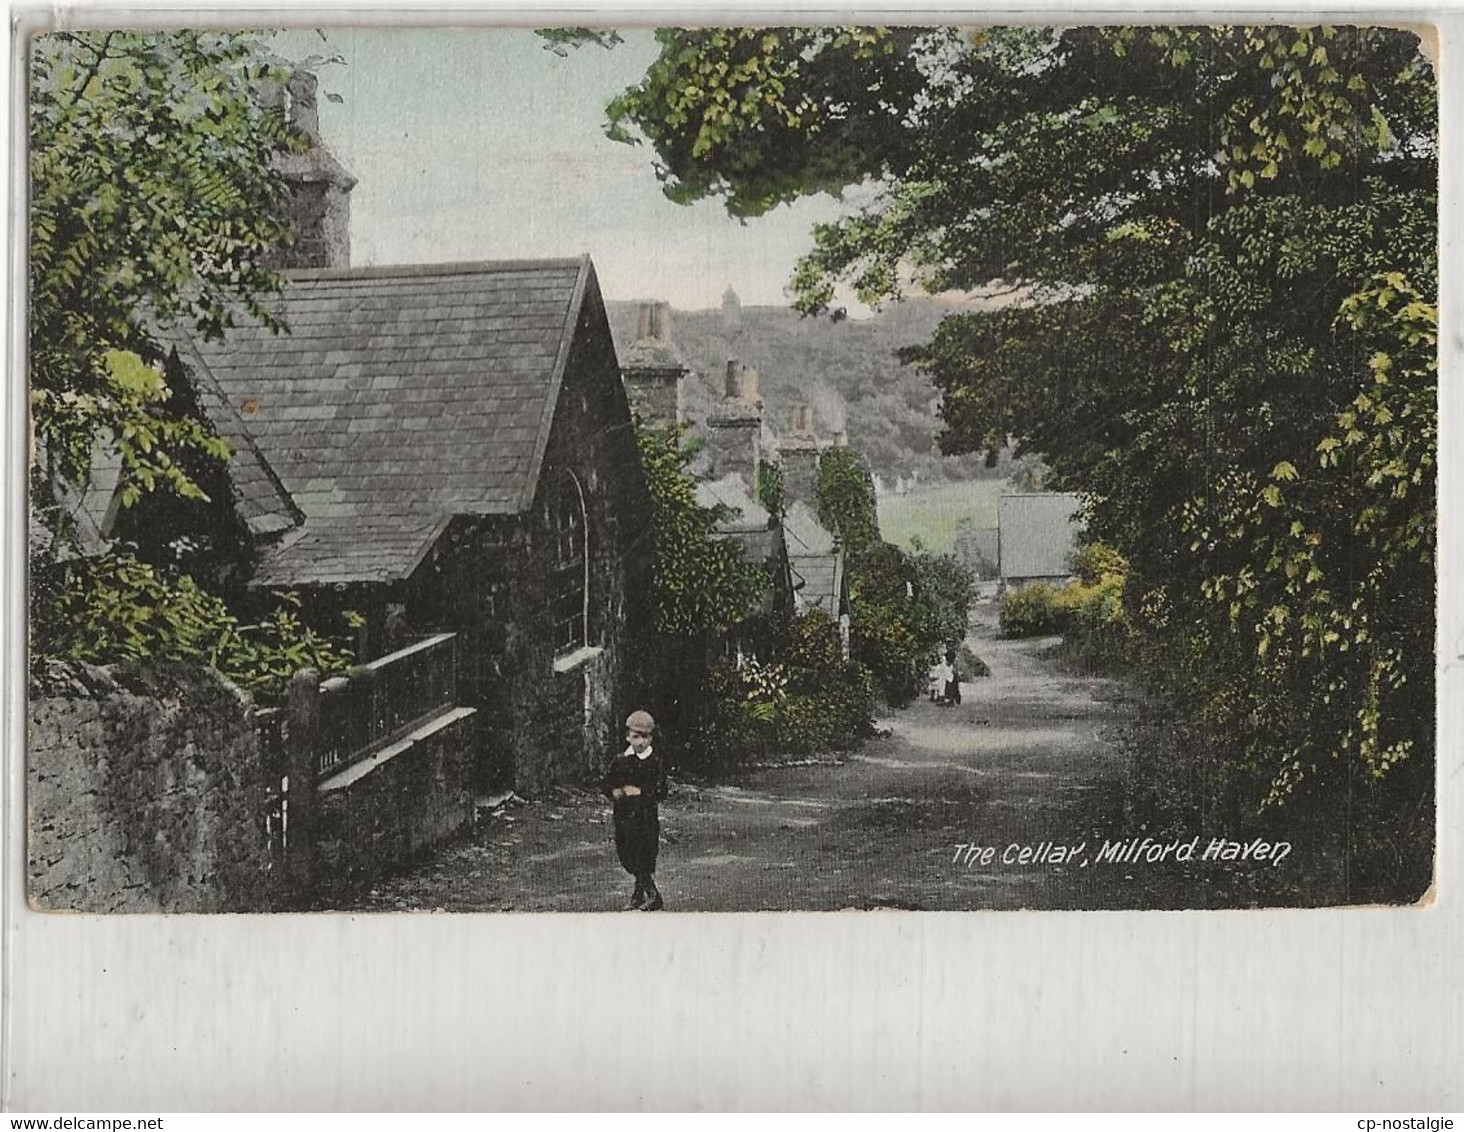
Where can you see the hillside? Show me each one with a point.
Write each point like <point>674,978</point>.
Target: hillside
<point>846,371</point>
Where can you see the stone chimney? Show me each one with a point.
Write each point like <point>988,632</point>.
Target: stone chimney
<point>734,428</point>
<point>652,369</point>
<point>316,201</point>
<point>798,452</point>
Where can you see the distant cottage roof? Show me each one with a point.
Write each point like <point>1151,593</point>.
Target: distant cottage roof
<point>749,524</point>
<point>1037,533</point>
<point>402,396</point>
<point>817,564</point>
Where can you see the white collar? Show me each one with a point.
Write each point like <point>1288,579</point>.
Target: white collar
<point>642,755</point>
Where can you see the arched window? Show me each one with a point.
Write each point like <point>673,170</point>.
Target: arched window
<point>570,528</point>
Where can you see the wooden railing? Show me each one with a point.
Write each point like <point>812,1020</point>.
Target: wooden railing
<point>380,704</point>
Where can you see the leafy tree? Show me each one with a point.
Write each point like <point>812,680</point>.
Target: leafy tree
<point>152,183</point>
<point>844,500</point>
<point>947,590</point>
<point>112,608</point>
<point>153,187</point>
<point>701,584</point>
<point>1221,243</point>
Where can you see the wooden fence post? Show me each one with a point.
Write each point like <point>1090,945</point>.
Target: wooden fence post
<point>302,702</point>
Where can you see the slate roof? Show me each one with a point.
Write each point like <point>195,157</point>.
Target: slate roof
<point>1038,533</point>
<point>402,396</point>
<point>730,492</point>
<point>750,524</point>
<point>260,498</point>
<point>817,564</point>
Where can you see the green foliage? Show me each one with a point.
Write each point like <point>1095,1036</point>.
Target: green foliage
<point>732,112</point>
<point>1094,562</point>
<point>151,190</point>
<point>770,488</point>
<point>153,185</point>
<point>1033,611</point>
<point>1089,610</point>
<point>115,608</point>
<point>1223,245</point>
<point>701,585</point>
<point>808,702</point>
<point>562,40</point>
<point>945,590</point>
<point>888,633</point>
<point>844,499</point>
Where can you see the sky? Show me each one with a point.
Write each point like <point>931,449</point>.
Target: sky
<point>478,143</point>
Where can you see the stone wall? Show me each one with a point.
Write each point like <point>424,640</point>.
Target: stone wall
<point>493,581</point>
<point>389,811</point>
<point>146,793</point>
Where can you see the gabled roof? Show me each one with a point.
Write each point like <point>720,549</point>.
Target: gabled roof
<point>730,492</point>
<point>806,535</point>
<point>402,396</point>
<point>260,498</point>
<point>1038,533</point>
<point>814,558</point>
<point>749,522</point>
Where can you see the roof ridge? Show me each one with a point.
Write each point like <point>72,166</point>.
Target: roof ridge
<point>413,270</point>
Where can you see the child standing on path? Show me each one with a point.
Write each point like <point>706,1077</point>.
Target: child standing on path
<point>636,782</point>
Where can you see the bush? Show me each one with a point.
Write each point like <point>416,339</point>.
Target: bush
<point>1033,611</point>
<point>114,608</point>
<point>1095,562</point>
<point>809,702</point>
<point>1091,614</point>
<point>946,589</point>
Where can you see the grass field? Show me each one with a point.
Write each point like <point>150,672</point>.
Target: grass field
<point>933,513</point>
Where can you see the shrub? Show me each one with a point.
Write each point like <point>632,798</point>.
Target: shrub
<point>115,608</point>
<point>946,589</point>
<point>1093,615</point>
<point>1033,611</point>
<point>810,701</point>
<point>1096,561</point>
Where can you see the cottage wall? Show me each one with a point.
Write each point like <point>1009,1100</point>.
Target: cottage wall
<point>146,795</point>
<point>548,714</point>
<point>571,714</point>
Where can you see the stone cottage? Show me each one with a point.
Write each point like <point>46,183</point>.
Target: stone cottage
<point>443,448</point>
<point>460,452</point>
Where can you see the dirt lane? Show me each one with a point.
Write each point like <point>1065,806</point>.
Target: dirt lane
<point>1030,758</point>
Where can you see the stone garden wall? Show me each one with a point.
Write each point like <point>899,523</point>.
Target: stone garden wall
<point>145,793</point>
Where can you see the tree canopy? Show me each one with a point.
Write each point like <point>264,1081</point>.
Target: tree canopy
<point>153,185</point>
<point>152,181</point>
<point>1220,243</point>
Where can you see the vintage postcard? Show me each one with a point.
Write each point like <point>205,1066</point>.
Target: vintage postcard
<point>731,469</point>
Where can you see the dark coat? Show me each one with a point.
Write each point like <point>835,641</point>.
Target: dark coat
<point>637,819</point>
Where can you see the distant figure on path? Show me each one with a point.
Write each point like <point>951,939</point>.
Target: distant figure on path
<point>939,674</point>
<point>635,783</point>
<point>953,679</point>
